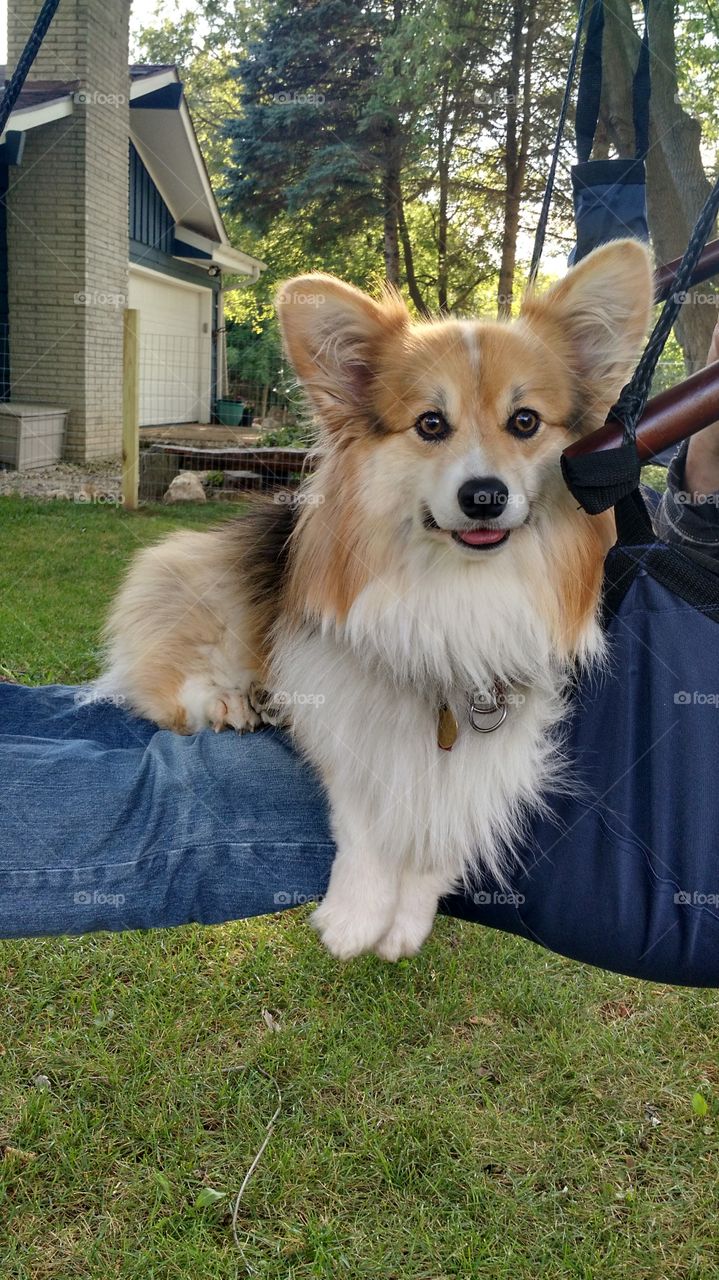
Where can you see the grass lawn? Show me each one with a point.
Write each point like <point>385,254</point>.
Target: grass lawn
<point>486,1110</point>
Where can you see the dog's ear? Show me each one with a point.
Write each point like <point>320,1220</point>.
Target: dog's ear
<point>334,335</point>
<point>596,319</point>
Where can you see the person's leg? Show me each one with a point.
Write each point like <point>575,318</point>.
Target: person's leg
<point>701,468</point>
<point>688,514</point>
<point>109,823</point>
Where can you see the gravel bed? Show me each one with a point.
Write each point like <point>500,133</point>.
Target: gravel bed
<point>87,482</point>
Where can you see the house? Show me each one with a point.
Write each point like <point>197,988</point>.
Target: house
<point>105,203</point>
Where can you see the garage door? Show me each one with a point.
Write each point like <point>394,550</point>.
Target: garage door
<point>175,349</point>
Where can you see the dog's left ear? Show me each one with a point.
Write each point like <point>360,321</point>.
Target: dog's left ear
<point>596,318</point>
<point>334,335</point>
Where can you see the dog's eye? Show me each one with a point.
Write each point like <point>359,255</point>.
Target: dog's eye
<point>432,426</point>
<point>523,423</point>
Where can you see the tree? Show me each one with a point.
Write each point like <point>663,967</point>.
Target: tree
<point>309,139</point>
<point>427,119</point>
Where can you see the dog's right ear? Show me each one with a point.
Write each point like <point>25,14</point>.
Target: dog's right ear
<point>333,335</point>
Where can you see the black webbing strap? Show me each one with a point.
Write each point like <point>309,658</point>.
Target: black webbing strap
<point>27,57</point>
<point>589,93</point>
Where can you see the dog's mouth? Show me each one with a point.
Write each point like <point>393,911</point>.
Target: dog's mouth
<point>477,538</point>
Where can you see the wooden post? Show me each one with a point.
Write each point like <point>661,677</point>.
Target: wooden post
<point>130,409</point>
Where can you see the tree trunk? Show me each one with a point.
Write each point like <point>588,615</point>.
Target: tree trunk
<point>511,164</point>
<point>442,204</point>
<point>391,200</point>
<point>413,288</point>
<point>677,185</point>
<point>517,145</point>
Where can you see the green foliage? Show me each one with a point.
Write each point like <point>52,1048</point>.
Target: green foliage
<point>335,94</point>
<point>697,43</point>
<point>299,434</point>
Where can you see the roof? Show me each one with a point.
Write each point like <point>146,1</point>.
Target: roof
<point>161,129</point>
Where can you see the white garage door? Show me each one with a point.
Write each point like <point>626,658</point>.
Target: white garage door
<point>175,349</point>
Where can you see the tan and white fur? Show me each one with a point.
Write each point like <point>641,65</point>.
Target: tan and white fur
<point>376,598</point>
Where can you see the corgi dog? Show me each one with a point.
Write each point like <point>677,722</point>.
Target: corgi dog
<point>422,605</point>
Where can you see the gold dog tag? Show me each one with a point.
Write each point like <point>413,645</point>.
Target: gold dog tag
<point>446,728</point>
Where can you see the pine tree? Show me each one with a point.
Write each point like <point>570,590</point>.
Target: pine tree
<point>311,139</point>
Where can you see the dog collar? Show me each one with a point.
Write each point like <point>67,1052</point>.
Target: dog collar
<point>485,712</point>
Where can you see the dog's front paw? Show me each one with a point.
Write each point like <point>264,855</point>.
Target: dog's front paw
<point>272,708</point>
<point>404,938</point>
<point>346,930</point>
<point>234,711</point>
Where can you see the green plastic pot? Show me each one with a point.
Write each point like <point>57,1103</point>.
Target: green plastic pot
<point>229,412</point>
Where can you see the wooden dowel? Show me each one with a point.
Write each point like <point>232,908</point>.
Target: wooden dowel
<point>707,266</point>
<point>668,418</point>
<point>131,410</point>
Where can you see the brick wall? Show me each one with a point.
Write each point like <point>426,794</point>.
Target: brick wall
<point>67,226</point>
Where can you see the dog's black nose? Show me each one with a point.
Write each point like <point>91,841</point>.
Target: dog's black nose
<point>483,498</point>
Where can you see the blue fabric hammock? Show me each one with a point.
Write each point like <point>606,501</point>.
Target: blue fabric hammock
<point>626,874</point>
<point>630,880</point>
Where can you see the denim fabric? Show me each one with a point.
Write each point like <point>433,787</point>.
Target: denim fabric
<point>679,520</point>
<point>107,822</point>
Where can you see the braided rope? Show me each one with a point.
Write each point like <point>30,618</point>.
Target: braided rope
<point>632,401</point>
<point>27,57</point>
<point>541,231</point>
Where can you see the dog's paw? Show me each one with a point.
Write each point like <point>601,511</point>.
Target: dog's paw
<point>233,711</point>
<point>271,708</point>
<point>404,938</point>
<point>345,931</point>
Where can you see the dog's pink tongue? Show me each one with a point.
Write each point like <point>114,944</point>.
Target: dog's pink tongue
<point>481,537</point>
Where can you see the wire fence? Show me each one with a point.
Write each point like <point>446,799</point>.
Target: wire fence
<point>4,362</point>
<point>177,378</point>
<point>272,401</point>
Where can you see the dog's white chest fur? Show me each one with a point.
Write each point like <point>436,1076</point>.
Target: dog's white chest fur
<point>412,821</point>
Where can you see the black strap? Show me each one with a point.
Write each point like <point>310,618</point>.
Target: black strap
<point>541,231</point>
<point>641,94</point>
<point>27,57</point>
<point>589,92</point>
<point>590,87</point>
<point>598,480</point>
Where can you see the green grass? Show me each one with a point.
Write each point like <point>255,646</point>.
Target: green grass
<point>486,1110</point>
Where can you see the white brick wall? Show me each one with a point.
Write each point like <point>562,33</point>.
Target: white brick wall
<point>67,226</point>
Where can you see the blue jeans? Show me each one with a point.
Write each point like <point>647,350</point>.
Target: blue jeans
<point>107,822</point>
